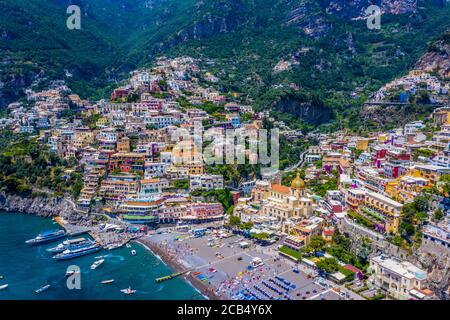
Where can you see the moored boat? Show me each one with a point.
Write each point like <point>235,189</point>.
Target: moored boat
<point>70,254</point>
<point>47,236</point>
<point>114,246</point>
<point>70,244</point>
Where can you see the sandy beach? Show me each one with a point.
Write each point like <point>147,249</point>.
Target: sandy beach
<point>176,266</point>
<point>223,270</point>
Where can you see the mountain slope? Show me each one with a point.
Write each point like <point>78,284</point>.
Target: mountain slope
<point>437,58</point>
<point>266,50</point>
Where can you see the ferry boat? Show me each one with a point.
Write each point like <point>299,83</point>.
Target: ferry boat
<point>97,264</point>
<point>70,254</point>
<point>47,236</point>
<point>42,289</point>
<point>70,244</point>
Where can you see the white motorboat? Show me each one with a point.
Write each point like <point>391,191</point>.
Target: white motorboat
<point>107,281</point>
<point>133,252</point>
<point>3,287</point>
<point>42,289</point>
<point>128,291</point>
<point>97,263</point>
<point>71,273</point>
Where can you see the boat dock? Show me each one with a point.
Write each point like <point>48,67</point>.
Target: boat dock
<point>173,275</point>
<point>106,239</point>
<point>71,230</point>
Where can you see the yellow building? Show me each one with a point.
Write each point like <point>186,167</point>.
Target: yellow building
<point>441,116</point>
<point>124,145</point>
<point>102,122</point>
<point>406,188</point>
<point>362,144</point>
<point>287,202</point>
<point>431,173</point>
<point>260,191</point>
<point>386,207</point>
<point>83,138</point>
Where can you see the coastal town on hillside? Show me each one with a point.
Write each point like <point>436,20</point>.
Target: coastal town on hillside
<point>354,217</point>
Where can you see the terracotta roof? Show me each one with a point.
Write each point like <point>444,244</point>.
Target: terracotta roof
<point>352,268</point>
<point>280,188</point>
<point>150,180</point>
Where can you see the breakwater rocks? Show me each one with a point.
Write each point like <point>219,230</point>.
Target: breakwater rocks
<point>43,206</point>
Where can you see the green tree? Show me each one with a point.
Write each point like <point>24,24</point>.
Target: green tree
<point>329,265</point>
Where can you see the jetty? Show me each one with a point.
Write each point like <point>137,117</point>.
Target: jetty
<point>71,230</point>
<point>173,275</point>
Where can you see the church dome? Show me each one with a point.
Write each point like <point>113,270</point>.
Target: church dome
<point>298,182</point>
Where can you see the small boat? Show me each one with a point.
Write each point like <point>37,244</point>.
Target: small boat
<point>133,252</point>
<point>71,273</point>
<point>42,289</point>
<point>3,287</point>
<point>107,281</point>
<point>128,291</point>
<point>97,263</point>
<point>1,277</point>
<point>100,257</point>
<point>114,246</point>
<point>128,245</point>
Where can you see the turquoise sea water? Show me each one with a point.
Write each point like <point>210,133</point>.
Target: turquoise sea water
<point>26,268</point>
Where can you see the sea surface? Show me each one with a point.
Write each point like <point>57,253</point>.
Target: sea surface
<point>26,268</point>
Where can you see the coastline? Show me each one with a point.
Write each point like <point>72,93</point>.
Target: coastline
<point>176,266</point>
<point>42,206</point>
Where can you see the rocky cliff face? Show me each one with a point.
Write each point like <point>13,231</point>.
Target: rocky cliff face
<point>355,8</point>
<point>390,116</point>
<point>437,59</point>
<point>312,111</point>
<point>436,260</point>
<point>210,19</point>
<point>40,206</point>
<point>13,83</point>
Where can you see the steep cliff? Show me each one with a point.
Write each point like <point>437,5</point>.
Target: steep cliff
<point>309,109</point>
<point>45,206</point>
<point>437,59</point>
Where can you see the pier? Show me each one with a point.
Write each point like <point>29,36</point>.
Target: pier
<point>71,230</point>
<point>107,239</point>
<point>173,275</point>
